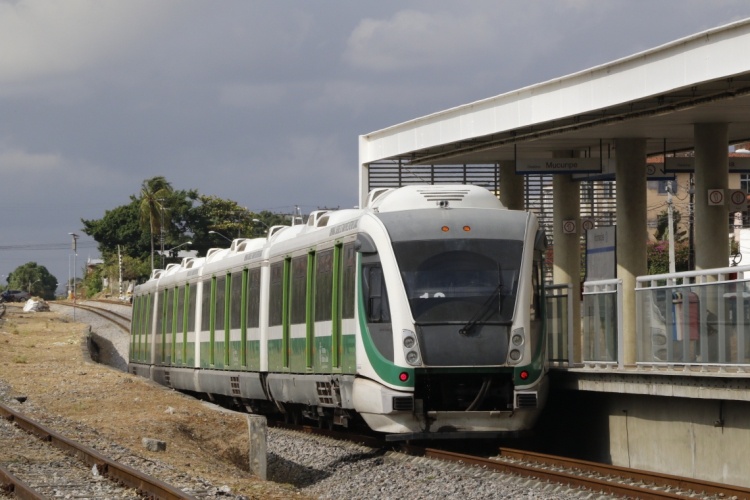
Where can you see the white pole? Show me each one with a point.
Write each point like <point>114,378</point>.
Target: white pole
<point>119,264</point>
<point>671,228</point>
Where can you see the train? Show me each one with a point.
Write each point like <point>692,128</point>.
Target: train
<point>419,314</point>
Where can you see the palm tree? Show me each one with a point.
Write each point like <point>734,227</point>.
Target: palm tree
<point>154,193</point>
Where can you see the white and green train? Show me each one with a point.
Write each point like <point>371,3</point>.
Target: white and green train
<point>420,313</point>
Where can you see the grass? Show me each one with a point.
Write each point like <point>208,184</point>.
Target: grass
<point>19,359</point>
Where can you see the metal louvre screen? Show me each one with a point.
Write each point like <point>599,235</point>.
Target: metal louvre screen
<point>598,198</point>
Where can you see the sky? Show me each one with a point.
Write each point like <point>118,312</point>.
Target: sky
<point>262,102</point>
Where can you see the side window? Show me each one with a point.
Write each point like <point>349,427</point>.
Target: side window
<point>276,295</point>
<point>160,311</point>
<point>375,294</point>
<point>235,301</point>
<point>535,310</point>
<point>350,269</point>
<point>323,286</point>
<point>206,306</point>
<point>253,298</point>
<point>192,295</point>
<point>221,291</point>
<point>150,315</point>
<point>170,310</point>
<point>180,309</point>
<point>299,289</point>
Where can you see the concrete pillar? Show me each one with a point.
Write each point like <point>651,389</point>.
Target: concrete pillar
<point>711,172</point>
<point>511,185</point>
<point>566,205</point>
<point>632,231</point>
<point>257,426</point>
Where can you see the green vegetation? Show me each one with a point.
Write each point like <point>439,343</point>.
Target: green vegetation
<point>187,216</point>
<point>662,226</point>
<point>34,279</point>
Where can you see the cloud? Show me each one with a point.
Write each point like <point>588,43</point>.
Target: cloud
<point>46,38</point>
<point>251,96</point>
<point>413,39</point>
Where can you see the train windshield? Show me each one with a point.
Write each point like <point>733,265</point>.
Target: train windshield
<point>455,281</point>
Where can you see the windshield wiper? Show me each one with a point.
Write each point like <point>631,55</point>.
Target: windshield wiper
<point>482,313</point>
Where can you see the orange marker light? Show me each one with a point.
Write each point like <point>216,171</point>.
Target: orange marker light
<point>467,228</point>
<point>524,375</point>
<point>445,229</point>
<point>403,377</point>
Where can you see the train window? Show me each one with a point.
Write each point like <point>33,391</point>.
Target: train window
<point>299,290</point>
<point>160,312</point>
<point>180,309</point>
<point>324,286</point>
<point>235,301</point>
<point>221,292</point>
<point>206,306</point>
<point>192,295</point>
<point>150,315</point>
<point>170,310</point>
<point>350,269</point>
<point>276,295</point>
<point>375,294</point>
<point>253,298</point>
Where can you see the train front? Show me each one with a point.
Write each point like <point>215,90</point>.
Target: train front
<point>450,315</point>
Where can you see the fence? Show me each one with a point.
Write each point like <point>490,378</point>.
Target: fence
<point>559,310</point>
<point>694,318</point>
<point>602,323</point>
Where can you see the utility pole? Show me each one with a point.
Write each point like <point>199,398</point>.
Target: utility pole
<point>161,209</point>
<point>671,227</point>
<point>119,264</point>
<point>75,272</point>
<point>691,224</point>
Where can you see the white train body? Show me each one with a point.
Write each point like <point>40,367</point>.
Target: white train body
<point>421,313</point>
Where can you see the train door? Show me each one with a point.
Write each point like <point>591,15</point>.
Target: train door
<point>236,299</point>
<point>205,337</point>
<point>178,348</point>
<point>219,327</point>
<point>285,332</point>
<point>298,315</point>
<point>348,324</point>
<point>323,308</point>
<point>188,350</point>
<point>159,332</point>
<point>168,333</point>
<point>149,322</point>
<point>252,347</point>
<point>276,317</point>
<point>134,327</point>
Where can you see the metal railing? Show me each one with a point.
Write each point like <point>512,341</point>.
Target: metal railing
<point>602,323</point>
<point>711,330</point>
<point>559,312</point>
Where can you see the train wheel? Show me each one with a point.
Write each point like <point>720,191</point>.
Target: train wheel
<point>297,417</point>
<point>287,418</point>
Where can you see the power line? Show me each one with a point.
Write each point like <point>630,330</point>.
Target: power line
<point>47,246</point>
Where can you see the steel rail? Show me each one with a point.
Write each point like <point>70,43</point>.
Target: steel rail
<point>109,301</point>
<point>143,483</point>
<point>659,479</point>
<point>121,316</point>
<point>572,478</point>
<point>11,484</point>
<point>93,310</point>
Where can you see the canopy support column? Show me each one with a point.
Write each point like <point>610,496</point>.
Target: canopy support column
<point>711,172</point>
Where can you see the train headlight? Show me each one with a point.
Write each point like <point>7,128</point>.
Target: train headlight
<point>409,342</point>
<point>411,348</point>
<point>517,340</point>
<point>515,354</point>
<point>412,357</point>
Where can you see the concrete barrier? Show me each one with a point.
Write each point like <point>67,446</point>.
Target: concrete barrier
<point>257,427</point>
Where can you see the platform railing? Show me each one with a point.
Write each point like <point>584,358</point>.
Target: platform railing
<point>602,323</point>
<point>711,330</point>
<point>559,311</point>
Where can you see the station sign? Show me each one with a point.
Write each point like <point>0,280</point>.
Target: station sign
<point>601,261</point>
<point>654,172</point>
<point>558,165</point>
<point>737,165</point>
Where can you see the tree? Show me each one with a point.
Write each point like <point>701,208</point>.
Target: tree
<point>217,214</point>
<point>662,226</point>
<point>154,193</point>
<point>35,279</point>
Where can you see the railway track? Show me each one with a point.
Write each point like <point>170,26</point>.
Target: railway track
<point>595,477</point>
<point>55,466</point>
<point>112,316</point>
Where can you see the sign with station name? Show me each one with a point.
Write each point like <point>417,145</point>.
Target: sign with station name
<point>687,164</point>
<point>558,165</point>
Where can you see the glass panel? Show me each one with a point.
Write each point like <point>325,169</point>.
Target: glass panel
<point>299,289</point>
<point>375,294</point>
<point>350,269</point>
<point>191,307</point>
<point>454,281</point>
<point>180,309</point>
<point>160,313</point>
<point>323,286</point>
<point>235,302</point>
<point>221,292</point>
<point>206,306</point>
<point>557,327</point>
<point>170,309</point>
<point>253,299</point>
<point>276,295</point>
<point>600,327</point>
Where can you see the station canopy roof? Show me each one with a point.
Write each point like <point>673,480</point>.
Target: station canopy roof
<point>657,94</point>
